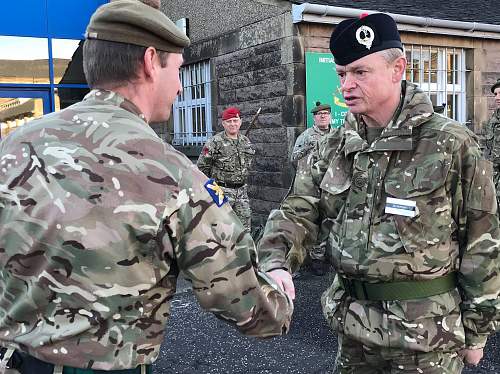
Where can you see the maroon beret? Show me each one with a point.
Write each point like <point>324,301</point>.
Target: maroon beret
<point>230,112</point>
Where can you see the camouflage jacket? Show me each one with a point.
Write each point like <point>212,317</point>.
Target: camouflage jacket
<point>492,140</point>
<point>225,159</point>
<point>98,217</point>
<point>306,142</point>
<point>420,157</point>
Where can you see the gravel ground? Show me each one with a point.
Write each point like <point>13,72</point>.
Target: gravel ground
<point>197,342</point>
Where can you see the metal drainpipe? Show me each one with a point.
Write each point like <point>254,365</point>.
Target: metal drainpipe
<point>326,10</point>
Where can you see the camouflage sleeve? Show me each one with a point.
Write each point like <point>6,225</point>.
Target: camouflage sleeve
<point>205,159</point>
<point>214,252</point>
<point>301,148</point>
<point>488,136</point>
<point>474,209</point>
<point>294,226</point>
<point>495,144</point>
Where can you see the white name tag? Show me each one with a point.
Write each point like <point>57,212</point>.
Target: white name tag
<point>401,207</point>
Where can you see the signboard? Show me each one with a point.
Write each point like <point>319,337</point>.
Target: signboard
<point>323,84</point>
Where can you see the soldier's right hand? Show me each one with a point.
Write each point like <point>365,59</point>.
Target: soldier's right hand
<point>471,356</point>
<point>284,280</point>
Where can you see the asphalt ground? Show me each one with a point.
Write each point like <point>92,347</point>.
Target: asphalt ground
<point>197,342</point>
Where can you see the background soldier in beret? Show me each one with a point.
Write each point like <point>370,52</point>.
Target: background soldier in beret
<point>492,139</point>
<point>98,217</point>
<point>227,158</point>
<point>308,139</point>
<point>303,147</point>
<point>412,205</point>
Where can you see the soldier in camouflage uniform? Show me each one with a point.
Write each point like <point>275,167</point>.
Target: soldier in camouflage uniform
<point>99,217</point>
<point>415,237</point>
<point>492,139</point>
<point>306,141</point>
<point>227,158</point>
<point>303,147</point>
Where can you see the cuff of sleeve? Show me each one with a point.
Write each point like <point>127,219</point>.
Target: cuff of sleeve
<point>272,265</point>
<point>475,341</point>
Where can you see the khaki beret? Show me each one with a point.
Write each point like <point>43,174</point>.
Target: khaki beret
<point>133,22</point>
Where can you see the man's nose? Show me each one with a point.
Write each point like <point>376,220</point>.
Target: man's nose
<point>349,82</point>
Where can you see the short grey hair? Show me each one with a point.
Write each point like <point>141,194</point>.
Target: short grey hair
<point>110,64</point>
<point>392,54</point>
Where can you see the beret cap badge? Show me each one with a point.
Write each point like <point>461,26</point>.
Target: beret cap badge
<point>365,36</point>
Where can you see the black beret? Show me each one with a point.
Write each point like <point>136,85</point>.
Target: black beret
<point>355,38</point>
<point>133,22</point>
<point>320,106</point>
<point>495,85</point>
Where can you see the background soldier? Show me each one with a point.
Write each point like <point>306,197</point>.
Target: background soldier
<point>227,158</point>
<point>98,217</point>
<point>492,139</point>
<point>414,234</point>
<point>306,141</point>
<point>303,147</point>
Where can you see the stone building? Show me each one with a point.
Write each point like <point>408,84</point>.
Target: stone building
<point>259,53</point>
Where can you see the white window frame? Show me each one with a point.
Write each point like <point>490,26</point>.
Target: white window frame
<point>456,108</point>
<point>192,108</point>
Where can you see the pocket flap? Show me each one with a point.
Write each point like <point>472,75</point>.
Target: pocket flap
<point>337,178</point>
<point>419,178</point>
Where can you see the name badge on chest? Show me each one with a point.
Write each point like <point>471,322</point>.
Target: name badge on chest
<point>401,207</point>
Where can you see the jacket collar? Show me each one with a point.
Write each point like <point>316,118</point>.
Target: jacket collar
<point>111,97</point>
<point>414,110</point>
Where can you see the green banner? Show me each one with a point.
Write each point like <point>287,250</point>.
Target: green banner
<point>323,84</point>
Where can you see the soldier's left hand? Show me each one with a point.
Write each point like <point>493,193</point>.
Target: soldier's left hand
<point>284,280</point>
<point>471,356</point>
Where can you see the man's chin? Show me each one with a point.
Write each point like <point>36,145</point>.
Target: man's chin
<point>164,117</point>
<point>354,109</point>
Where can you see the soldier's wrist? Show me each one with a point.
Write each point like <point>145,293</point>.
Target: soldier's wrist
<point>475,341</point>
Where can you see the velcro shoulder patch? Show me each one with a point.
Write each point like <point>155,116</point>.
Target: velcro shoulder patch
<point>216,193</point>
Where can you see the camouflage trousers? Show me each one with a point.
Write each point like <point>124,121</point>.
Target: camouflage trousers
<point>238,199</point>
<point>355,358</point>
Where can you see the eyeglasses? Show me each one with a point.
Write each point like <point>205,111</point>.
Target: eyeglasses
<point>322,113</point>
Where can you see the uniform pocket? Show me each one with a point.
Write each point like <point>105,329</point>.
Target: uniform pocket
<point>424,186</point>
<point>332,301</point>
<point>337,177</point>
<point>226,162</point>
<point>248,155</point>
<point>428,324</point>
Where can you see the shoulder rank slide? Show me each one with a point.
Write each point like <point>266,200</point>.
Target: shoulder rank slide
<point>216,192</point>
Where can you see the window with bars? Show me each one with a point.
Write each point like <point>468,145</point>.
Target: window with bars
<point>192,108</point>
<point>441,73</point>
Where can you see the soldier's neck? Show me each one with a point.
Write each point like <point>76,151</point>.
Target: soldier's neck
<point>231,136</point>
<point>384,115</point>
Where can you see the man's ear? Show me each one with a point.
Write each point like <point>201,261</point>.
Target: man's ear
<point>149,66</point>
<point>398,69</point>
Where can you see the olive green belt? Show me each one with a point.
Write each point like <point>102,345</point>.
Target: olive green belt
<point>399,290</point>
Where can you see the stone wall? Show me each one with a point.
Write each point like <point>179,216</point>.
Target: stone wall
<point>208,19</point>
<point>260,66</point>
